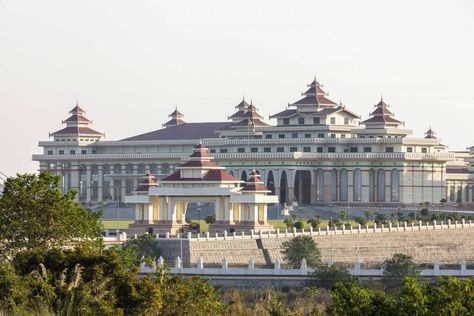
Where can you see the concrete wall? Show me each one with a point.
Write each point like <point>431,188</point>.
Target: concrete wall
<point>448,246</point>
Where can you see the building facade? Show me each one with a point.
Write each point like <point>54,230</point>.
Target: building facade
<point>316,152</point>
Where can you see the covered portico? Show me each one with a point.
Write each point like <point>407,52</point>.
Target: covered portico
<point>161,207</point>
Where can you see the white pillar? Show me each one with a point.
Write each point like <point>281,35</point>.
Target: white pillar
<point>100,184</point>
<point>89,184</point>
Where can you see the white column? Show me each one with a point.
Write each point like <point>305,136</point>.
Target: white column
<point>75,178</point>
<point>100,184</point>
<point>313,186</point>
<point>218,209</point>
<point>122,183</point>
<point>89,184</point>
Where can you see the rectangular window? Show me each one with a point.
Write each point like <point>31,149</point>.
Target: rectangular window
<point>343,135</point>
<point>409,149</point>
<point>240,150</point>
<point>50,152</point>
<point>389,149</point>
<point>254,150</point>
<point>280,149</point>
<point>293,149</point>
<point>424,150</point>
<point>61,152</point>
<point>307,149</point>
<point>281,136</point>
<point>319,149</point>
<point>367,149</point>
<point>294,135</point>
<point>331,149</point>
<point>267,150</point>
<point>346,121</point>
<point>83,152</point>
<point>333,135</point>
<point>316,120</point>
<point>301,120</point>
<point>223,150</point>
<point>354,149</point>
<point>307,135</point>
<point>268,136</point>
<point>320,135</point>
<point>286,121</point>
<point>333,120</point>
<point>212,151</point>
<point>72,152</point>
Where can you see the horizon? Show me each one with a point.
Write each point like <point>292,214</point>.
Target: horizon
<point>128,66</point>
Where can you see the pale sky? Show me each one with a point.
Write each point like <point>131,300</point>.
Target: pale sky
<point>129,63</point>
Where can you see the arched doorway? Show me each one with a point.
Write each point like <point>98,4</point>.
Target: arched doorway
<point>302,187</point>
<point>283,188</point>
<point>271,182</point>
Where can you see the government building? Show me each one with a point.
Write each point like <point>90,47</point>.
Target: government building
<point>316,151</point>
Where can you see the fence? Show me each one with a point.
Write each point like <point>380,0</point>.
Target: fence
<point>356,270</point>
<point>122,237</point>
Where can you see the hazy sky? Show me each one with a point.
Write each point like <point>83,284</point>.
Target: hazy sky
<point>128,63</point>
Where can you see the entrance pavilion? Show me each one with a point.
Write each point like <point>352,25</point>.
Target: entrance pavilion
<point>160,207</point>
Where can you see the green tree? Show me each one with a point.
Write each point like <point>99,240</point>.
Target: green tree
<point>451,296</point>
<point>350,299</point>
<point>397,268</point>
<point>299,225</point>
<point>326,277</point>
<point>300,247</point>
<point>413,300</point>
<point>368,214</point>
<point>343,215</point>
<point>315,222</point>
<point>290,223</point>
<point>361,221</point>
<point>381,218</point>
<point>211,219</point>
<point>34,214</point>
<point>144,246</point>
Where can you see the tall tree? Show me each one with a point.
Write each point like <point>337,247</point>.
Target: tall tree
<point>300,247</point>
<point>35,214</point>
<point>397,268</point>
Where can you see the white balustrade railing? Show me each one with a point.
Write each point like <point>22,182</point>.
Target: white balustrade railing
<point>277,233</point>
<point>250,270</point>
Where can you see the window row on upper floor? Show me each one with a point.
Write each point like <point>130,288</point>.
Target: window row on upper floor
<point>306,149</point>
<point>316,121</point>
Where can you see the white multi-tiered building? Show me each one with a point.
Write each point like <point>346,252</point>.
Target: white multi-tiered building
<point>317,152</point>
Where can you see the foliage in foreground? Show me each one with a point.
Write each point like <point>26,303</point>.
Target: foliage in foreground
<point>447,296</point>
<point>84,282</point>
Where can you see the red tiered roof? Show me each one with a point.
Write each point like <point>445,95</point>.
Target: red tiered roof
<point>316,96</point>
<point>201,160</point>
<point>147,182</point>
<point>382,116</point>
<point>255,184</point>
<point>76,124</point>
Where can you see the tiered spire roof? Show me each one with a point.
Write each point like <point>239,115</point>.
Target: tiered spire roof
<point>199,167</point>
<point>247,116</point>
<point>382,116</point>
<point>77,125</point>
<point>176,118</point>
<point>315,95</point>
<point>147,182</point>
<point>430,134</point>
<point>255,184</point>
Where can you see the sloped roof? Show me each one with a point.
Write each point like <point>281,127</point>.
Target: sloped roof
<point>183,131</point>
<point>72,130</point>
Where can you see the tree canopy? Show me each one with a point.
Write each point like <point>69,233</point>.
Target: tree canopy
<point>35,214</point>
<point>299,248</point>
